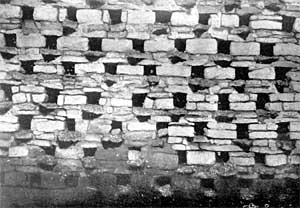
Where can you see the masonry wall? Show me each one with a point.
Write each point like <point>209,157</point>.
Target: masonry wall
<point>203,88</point>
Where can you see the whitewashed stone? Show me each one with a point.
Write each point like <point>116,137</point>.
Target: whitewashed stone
<point>200,158</point>
<point>45,13</point>
<point>33,40</point>
<point>90,16</point>
<point>72,43</point>
<point>275,160</point>
<point>118,45</point>
<point>131,70</point>
<point>244,49</point>
<point>140,17</point>
<point>173,70</point>
<point>18,151</point>
<point>201,46</point>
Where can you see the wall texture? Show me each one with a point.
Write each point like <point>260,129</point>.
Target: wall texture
<point>203,89</point>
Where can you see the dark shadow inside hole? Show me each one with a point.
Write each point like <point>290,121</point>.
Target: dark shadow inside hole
<point>115,16</point>
<point>123,179</point>
<point>109,144</point>
<point>138,100</point>
<point>222,157</point>
<point>287,23</point>
<point>93,97</point>
<point>244,34</point>
<point>262,99</point>
<point>109,82</point>
<point>181,157</point>
<point>162,16</point>
<point>65,144</point>
<point>283,127</point>
<point>95,3</point>
<point>10,40</point>
<point>133,60</point>
<point>163,180</point>
<point>198,32</point>
<point>7,91</point>
<point>138,45</point>
<point>199,128</point>
<point>48,57</point>
<point>223,103</point>
<point>266,49</point>
<point>7,56</point>
<point>69,68</point>
<point>28,66</point>
<point>224,46</point>
<point>223,63</point>
<point>244,144</point>
<point>116,125</point>
<point>25,121</point>
<point>143,118</point>
<point>70,124</point>
<point>149,70</point>
<point>162,31</point>
<point>89,152</point>
<point>110,68</point>
<point>239,89</point>
<point>44,110</point>
<point>179,99</point>
<point>230,7</point>
<point>208,183</point>
<point>52,94</point>
<point>176,117</point>
<point>245,19</point>
<point>134,148</point>
<point>89,115</point>
<point>259,158</point>
<point>71,13</point>
<point>49,150</point>
<point>180,44</point>
<point>224,119</point>
<point>51,41</point>
<point>68,30</point>
<point>241,73</point>
<point>197,71</point>
<point>176,59</point>
<point>92,58</point>
<point>196,88</point>
<point>203,18</point>
<point>280,73</point>
<point>27,13</point>
<point>161,125</point>
<point>95,44</point>
<point>242,131</point>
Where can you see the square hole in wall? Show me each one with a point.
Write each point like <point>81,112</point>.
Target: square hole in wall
<point>288,23</point>
<point>197,71</point>
<point>280,73</point>
<point>138,99</point>
<point>241,73</point>
<point>180,44</point>
<point>115,16</point>
<point>10,40</point>
<point>49,150</point>
<point>242,131</point>
<point>52,94</point>
<point>179,99</point>
<point>138,45</point>
<point>28,66</point>
<point>176,117</point>
<point>51,41</point>
<point>224,46</point>
<point>181,157</point>
<point>93,97</point>
<point>161,125</point>
<point>162,31</point>
<point>7,56</point>
<point>49,57</point>
<point>240,88</point>
<point>68,30</point>
<point>244,34</point>
<point>7,91</point>
<point>134,61</point>
<point>204,18</point>
<point>222,157</point>
<point>223,103</point>
<point>162,16</point>
<point>116,125</point>
<point>69,68</point>
<point>283,130</point>
<point>89,115</point>
<point>262,99</point>
<point>199,128</point>
<point>27,13</point>
<point>71,13</point>
<point>25,122</point>
<point>259,158</point>
<point>71,124</point>
<point>208,183</point>
<point>110,68</point>
<point>244,19</point>
<point>198,32</point>
<point>224,119</point>
<point>149,70</point>
<point>89,152</point>
<point>266,49</point>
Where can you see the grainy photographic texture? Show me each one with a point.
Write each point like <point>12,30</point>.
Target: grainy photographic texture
<point>162,103</point>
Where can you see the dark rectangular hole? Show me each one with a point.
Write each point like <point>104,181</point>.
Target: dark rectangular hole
<point>203,18</point>
<point>283,127</point>
<point>138,100</point>
<point>224,119</point>
<point>70,124</point>
<point>199,31</point>
<point>52,95</point>
<point>244,19</point>
<point>7,56</point>
<point>223,103</point>
<point>27,66</point>
<point>116,125</point>
<point>163,180</point>
<point>115,16</point>
<point>49,150</point>
<point>7,91</point>
<point>179,99</point>
<point>110,144</point>
<point>93,97</point>
<point>71,13</point>
<point>68,30</point>
<point>138,45</point>
<point>287,23</point>
<point>198,71</point>
<point>48,57</point>
<point>69,68</point>
<point>223,63</point>
<point>280,73</point>
<point>266,49</point>
<point>10,40</point>
<point>65,144</point>
<point>44,110</point>
<point>123,179</point>
<point>176,117</point>
<point>222,157</point>
<point>241,73</point>
<point>95,3</point>
<point>162,16</point>
<point>242,131</point>
<point>91,57</point>
<point>199,128</point>
<point>262,99</point>
<point>208,183</point>
<point>110,68</point>
<point>25,122</point>
<point>134,61</point>
<point>259,158</point>
<point>224,47</point>
<point>162,31</point>
<point>89,152</point>
<point>176,59</point>
<point>180,44</point>
<point>27,13</point>
<point>161,125</point>
<point>143,118</point>
<point>51,41</point>
<point>149,70</point>
<point>230,7</point>
<point>197,87</point>
<point>89,115</point>
<point>135,148</point>
<point>181,157</point>
<point>239,89</point>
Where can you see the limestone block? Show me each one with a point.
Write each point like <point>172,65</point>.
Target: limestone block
<point>48,69</point>
<point>266,24</point>
<point>202,46</point>
<point>173,70</point>
<point>297,25</point>
<point>45,13</point>
<point>119,102</point>
<point>159,45</point>
<point>2,40</point>
<point>131,70</point>
<point>74,99</point>
<point>294,126</point>
<point>90,16</point>
<point>18,151</point>
<point>195,97</point>
<point>174,140</point>
<point>141,126</point>
<point>72,43</point>
<point>219,73</point>
<point>207,106</point>
<point>274,106</point>
<point>39,98</point>
<point>184,18</point>
<point>295,106</point>
<point>238,97</point>
<point>247,106</point>
<point>163,103</point>
<point>200,158</point>
<point>266,73</point>
<point>117,45</point>
<point>222,134</point>
<point>50,28</point>
<point>163,161</point>
<point>81,69</point>
<point>140,17</point>
<point>33,40</point>
<point>19,98</point>
<point>10,11</point>
<point>244,49</point>
<point>229,20</point>
<point>263,135</point>
<point>286,49</point>
<point>181,130</point>
<point>8,127</point>
<point>45,125</point>
<point>73,152</point>
<point>243,161</point>
<point>275,160</point>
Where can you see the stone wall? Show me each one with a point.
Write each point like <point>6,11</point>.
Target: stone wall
<point>204,88</point>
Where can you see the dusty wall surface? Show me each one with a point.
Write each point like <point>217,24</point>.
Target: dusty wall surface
<point>184,92</point>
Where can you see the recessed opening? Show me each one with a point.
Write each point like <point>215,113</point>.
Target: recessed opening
<point>266,49</point>
<point>230,7</point>
<point>224,47</point>
<point>244,19</point>
<point>262,99</point>
<point>27,66</point>
<point>180,44</point>
<point>267,175</point>
<point>176,117</point>
<point>223,63</point>
<point>27,13</point>
<point>162,16</point>
<point>123,179</point>
<point>287,23</point>
<point>264,60</point>
<point>138,99</point>
<point>51,41</point>
<point>49,57</point>
<point>280,73</point>
<point>162,31</point>
<point>245,182</point>
<point>198,32</point>
<point>116,125</point>
<point>110,68</point>
<point>239,89</point>
<point>110,145</point>
<point>203,18</point>
<point>115,16</point>
<point>95,3</point>
<point>7,56</point>
<point>176,59</point>
<point>283,130</point>
<point>198,87</point>
<point>259,158</point>
<point>241,73</point>
<point>49,150</point>
<point>163,180</point>
<point>25,122</point>
<point>244,34</point>
<point>179,99</point>
<point>109,82</point>
<point>70,124</point>
<point>52,94</point>
<point>273,7</point>
<point>89,152</point>
<point>134,61</point>
<point>161,125</point>
<point>71,13</point>
<point>197,71</point>
<point>93,97</point>
<point>242,131</point>
<point>143,118</point>
<point>44,110</point>
<point>223,103</point>
<point>199,128</point>
<point>10,40</point>
<point>71,180</point>
<point>282,86</point>
<point>224,119</point>
<point>208,183</point>
<point>68,30</point>
<point>89,115</point>
<point>222,157</point>
<point>149,70</point>
<point>138,45</point>
<point>181,157</point>
<point>92,58</point>
<point>95,44</point>
<point>69,68</point>
<point>7,91</point>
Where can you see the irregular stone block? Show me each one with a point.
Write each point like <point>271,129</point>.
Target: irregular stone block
<point>244,49</point>
<point>275,160</point>
<point>207,106</point>
<point>296,25</point>
<point>73,152</point>
<point>222,134</point>
<point>45,13</point>
<point>10,11</point>
<point>44,125</point>
<point>2,40</point>
<point>202,46</point>
<point>173,70</point>
<point>90,16</point>
<point>294,126</point>
<point>72,43</point>
<point>132,70</point>
<point>121,102</point>
<point>33,40</point>
<point>184,19</point>
<point>19,98</point>
<point>18,151</point>
<point>8,127</point>
<point>181,130</point>
<point>163,103</point>
<point>220,148</point>
<point>284,49</point>
<point>200,158</point>
<point>238,97</point>
<point>116,45</point>
<point>266,24</point>
<point>140,17</point>
<point>263,135</point>
<point>247,106</point>
<point>243,161</point>
<point>295,106</point>
<point>141,126</point>
<point>81,69</point>
<point>229,20</point>
<point>266,73</point>
<point>72,99</point>
<point>163,161</point>
<point>219,73</point>
<point>159,45</point>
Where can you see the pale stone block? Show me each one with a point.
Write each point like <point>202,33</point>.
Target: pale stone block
<point>33,40</point>
<point>238,97</point>
<point>75,100</point>
<point>200,158</point>
<point>18,151</point>
<point>184,18</point>
<point>295,126</point>
<point>275,160</point>
<point>295,106</point>
<point>185,131</point>
<point>45,13</point>
<point>173,70</point>
<point>229,20</point>
<point>2,40</point>
<point>140,17</point>
<point>119,102</point>
<point>163,103</point>
<point>222,134</point>
<point>48,69</point>
<point>247,106</point>
<point>39,98</point>
<point>219,73</point>
<point>207,106</point>
<point>286,49</point>
<point>72,43</point>
<point>159,45</point>
<point>201,46</point>
<point>8,127</point>
<point>118,45</point>
<point>141,126</point>
<point>10,11</point>
<point>263,135</point>
<point>81,69</point>
<point>243,161</point>
<point>131,70</point>
<point>266,24</point>
<point>266,73</point>
<point>244,49</point>
<point>90,16</point>
<point>47,125</point>
<point>19,98</point>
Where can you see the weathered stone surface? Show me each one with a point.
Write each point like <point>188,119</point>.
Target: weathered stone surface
<point>128,69</point>
<point>141,126</point>
<point>247,106</point>
<point>286,49</point>
<point>18,151</point>
<point>275,160</point>
<point>140,17</point>
<point>10,11</point>
<point>31,40</point>
<point>243,161</point>
<point>230,20</point>
<point>45,13</point>
<point>116,45</point>
<point>164,103</point>
<point>266,24</point>
<point>201,46</point>
<point>90,16</point>
<point>219,73</point>
<point>244,49</point>
<point>200,158</point>
<point>163,161</point>
<point>184,19</point>
<point>221,134</point>
<point>181,130</point>
<point>159,45</point>
<point>266,73</point>
<point>173,70</point>
<point>262,134</point>
<point>47,125</point>
<point>72,43</point>
<point>81,69</point>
